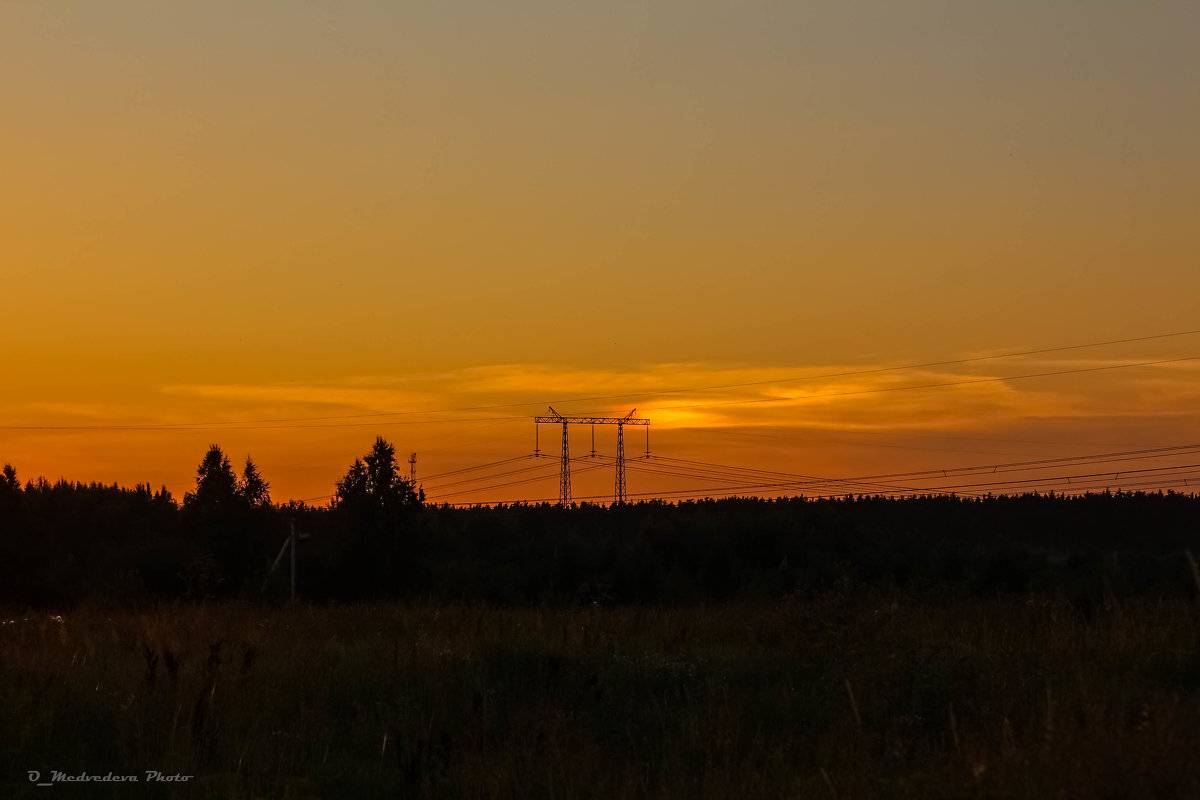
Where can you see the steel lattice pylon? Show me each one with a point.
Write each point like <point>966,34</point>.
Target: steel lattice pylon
<point>619,484</point>
<point>564,478</point>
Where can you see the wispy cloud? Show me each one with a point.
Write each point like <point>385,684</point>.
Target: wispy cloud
<point>858,397</point>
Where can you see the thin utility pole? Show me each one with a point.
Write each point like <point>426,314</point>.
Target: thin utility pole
<point>292,544</point>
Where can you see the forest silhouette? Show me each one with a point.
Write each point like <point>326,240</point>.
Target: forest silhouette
<point>67,543</point>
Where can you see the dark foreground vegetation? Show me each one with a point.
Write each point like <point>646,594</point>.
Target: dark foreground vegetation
<point>850,695</point>
<point>925,647</point>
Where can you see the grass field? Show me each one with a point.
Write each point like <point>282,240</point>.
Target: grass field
<point>842,697</point>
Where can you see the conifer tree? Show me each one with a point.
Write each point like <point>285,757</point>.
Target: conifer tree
<point>8,479</point>
<point>216,485</point>
<point>253,488</point>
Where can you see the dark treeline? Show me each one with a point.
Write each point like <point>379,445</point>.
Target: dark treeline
<point>66,543</point>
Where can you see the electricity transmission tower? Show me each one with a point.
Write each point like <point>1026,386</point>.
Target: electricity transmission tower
<point>564,479</point>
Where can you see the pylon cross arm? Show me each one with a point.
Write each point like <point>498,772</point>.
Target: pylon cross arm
<point>590,420</point>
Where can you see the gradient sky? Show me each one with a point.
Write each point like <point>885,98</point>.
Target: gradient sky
<point>219,211</point>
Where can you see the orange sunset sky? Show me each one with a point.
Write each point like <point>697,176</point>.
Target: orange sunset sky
<point>363,218</point>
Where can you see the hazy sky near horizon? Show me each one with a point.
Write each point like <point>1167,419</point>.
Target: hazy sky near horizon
<point>218,211</point>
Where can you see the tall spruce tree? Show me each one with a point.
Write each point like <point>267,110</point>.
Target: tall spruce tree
<point>8,480</point>
<point>253,488</point>
<point>216,485</point>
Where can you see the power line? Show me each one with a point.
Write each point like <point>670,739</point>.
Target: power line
<point>1180,479</point>
<point>1015,466</point>
<point>438,490</point>
<point>547,476</point>
<point>1180,468</point>
<point>749,478</point>
<point>1187,475</point>
<point>799,481</point>
<point>973,489</point>
<point>477,467</point>
<point>488,477</point>
<point>844,482</point>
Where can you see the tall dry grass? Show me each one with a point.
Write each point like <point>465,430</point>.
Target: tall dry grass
<point>842,697</point>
